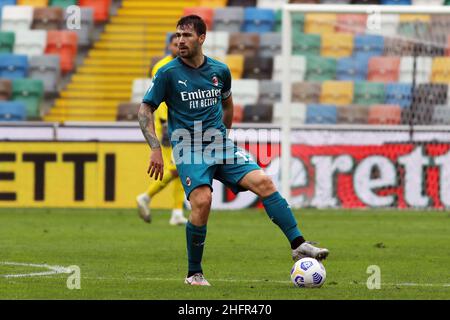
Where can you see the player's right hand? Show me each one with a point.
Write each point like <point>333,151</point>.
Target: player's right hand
<point>156,166</point>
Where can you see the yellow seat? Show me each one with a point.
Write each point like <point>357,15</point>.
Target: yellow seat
<point>236,64</point>
<point>440,70</point>
<point>339,93</point>
<point>33,3</point>
<point>337,45</point>
<point>415,18</point>
<point>320,23</point>
<point>213,3</point>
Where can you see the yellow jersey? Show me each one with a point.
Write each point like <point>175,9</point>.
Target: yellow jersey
<point>161,113</point>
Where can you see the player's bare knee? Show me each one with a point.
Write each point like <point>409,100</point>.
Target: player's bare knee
<point>266,187</point>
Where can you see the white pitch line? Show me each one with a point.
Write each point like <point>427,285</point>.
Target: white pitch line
<point>53,270</point>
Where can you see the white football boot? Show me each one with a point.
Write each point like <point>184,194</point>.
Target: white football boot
<point>177,218</point>
<point>143,202</point>
<point>306,249</point>
<point>197,280</point>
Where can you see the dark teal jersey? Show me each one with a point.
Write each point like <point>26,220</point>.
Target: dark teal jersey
<point>191,94</point>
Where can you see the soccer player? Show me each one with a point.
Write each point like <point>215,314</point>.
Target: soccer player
<point>197,90</point>
<point>170,174</point>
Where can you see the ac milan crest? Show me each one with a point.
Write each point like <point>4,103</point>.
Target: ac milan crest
<point>215,81</point>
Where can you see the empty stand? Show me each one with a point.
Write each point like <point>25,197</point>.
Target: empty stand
<point>269,92</point>
<point>368,45</point>
<point>30,92</point>
<point>441,115</point>
<point>297,68</point>
<point>297,113</point>
<point>13,66</point>
<point>229,19</point>
<point>12,111</point>
<point>48,18</point>
<point>64,44</point>
<point>351,23</point>
<point>7,40</point>
<point>86,31</point>
<point>30,42</point>
<point>441,70</point>
<point>270,44</point>
<point>128,111</point>
<point>306,44</point>
<point>260,113</point>
<point>337,45</point>
<point>399,94</point>
<point>258,68</point>
<point>235,63</point>
<point>46,68</point>
<point>384,69</point>
<point>245,91</point>
<point>321,114</point>
<point>306,92</point>
<point>353,114</point>
<point>422,70</point>
<point>5,89</point>
<point>339,93</point>
<point>258,20</point>
<point>101,8</point>
<point>384,114</point>
<point>140,87</point>
<point>368,93</point>
<point>354,68</point>
<point>246,44</point>
<point>320,68</point>
<point>15,18</point>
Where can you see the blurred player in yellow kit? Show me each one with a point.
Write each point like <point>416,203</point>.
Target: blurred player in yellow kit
<point>170,171</point>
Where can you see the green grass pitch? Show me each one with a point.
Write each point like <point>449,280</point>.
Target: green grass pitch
<point>246,255</point>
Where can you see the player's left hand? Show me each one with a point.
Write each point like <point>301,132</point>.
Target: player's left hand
<point>156,166</point>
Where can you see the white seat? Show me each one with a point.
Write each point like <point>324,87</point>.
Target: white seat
<point>423,69</point>
<point>216,44</point>
<point>245,91</point>
<point>298,68</point>
<point>298,113</point>
<point>428,2</point>
<point>140,87</point>
<point>385,24</point>
<point>15,18</point>
<point>271,4</point>
<point>30,42</point>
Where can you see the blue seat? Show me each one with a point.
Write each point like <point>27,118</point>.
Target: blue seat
<point>352,69</point>
<point>396,2</point>
<point>258,20</point>
<point>399,94</point>
<point>12,111</point>
<point>368,45</point>
<point>5,3</point>
<point>321,114</point>
<point>13,66</point>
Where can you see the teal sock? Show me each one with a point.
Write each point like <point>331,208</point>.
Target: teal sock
<point>280,213</point>
<point>195,239</point>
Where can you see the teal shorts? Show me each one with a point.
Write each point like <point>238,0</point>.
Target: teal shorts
<point>229,167</point>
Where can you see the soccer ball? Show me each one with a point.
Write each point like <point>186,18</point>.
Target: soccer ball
<point>308,273</point>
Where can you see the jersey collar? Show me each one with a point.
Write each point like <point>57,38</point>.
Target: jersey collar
<point>201,66</point>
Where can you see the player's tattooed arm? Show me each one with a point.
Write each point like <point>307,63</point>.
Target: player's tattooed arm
<point>147,123</point>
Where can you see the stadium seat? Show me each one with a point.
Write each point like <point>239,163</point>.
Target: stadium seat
<point>245,91</point>
<point>216,44</point>
<point>48,18</point>
<point>441,70</point>
<point>321,114</point>
<point>86,32</point>
<point>385,114</point>
<point>353,69</point>
<point>213,3</point>
<point>271,4</point>
<point>270,44</point>
<point>258,68</point>
<point>351,23</point>
<point>15,18</point>
<point>388,25</point>
<point>206,13</point>
<point>335,1</point>
<point>269,92</point>
<point>246,44</point>
<point>258,113</point>
<point>399,94</point>
<point>229,19</point>
<point>33,3</point>
<point>306,44</point>
<point>242,3</point>
<point>440,24</point>
<point>320,23</point>
<point>337,45</point>
<point>353,114</point>
<point>339,93</point>
<point>5,3</point>
<point>320,69</point>
<point>425,98</point>
<point>13,66</point>
<point>5,89</point>
<point>101,8</point>
<point>396,2</point>
<point>368,93</point>
<point>423,69</point>
<point>258,20</point>
<point>365,2</point>
<point>368,45</point>
<point>64,44</point>
<point>46,68</point>
<point>383,69</point>
<point>306,92</point>
<point>235,63</point>
<point>398,47</point>
<point>414,26</point>
<point>297,20</point>
<point>63,3</point>
<point>12,111</point>
<point>30,92</point>
<point>7,40</point>
<point>140,87</point>
<point>297,68</point>
<point>297,113</point>
<point>441,115</point>
<point>128,111</point>
<point>31,42</point>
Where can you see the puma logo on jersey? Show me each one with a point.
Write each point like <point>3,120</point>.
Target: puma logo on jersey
<point>183,82</point>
